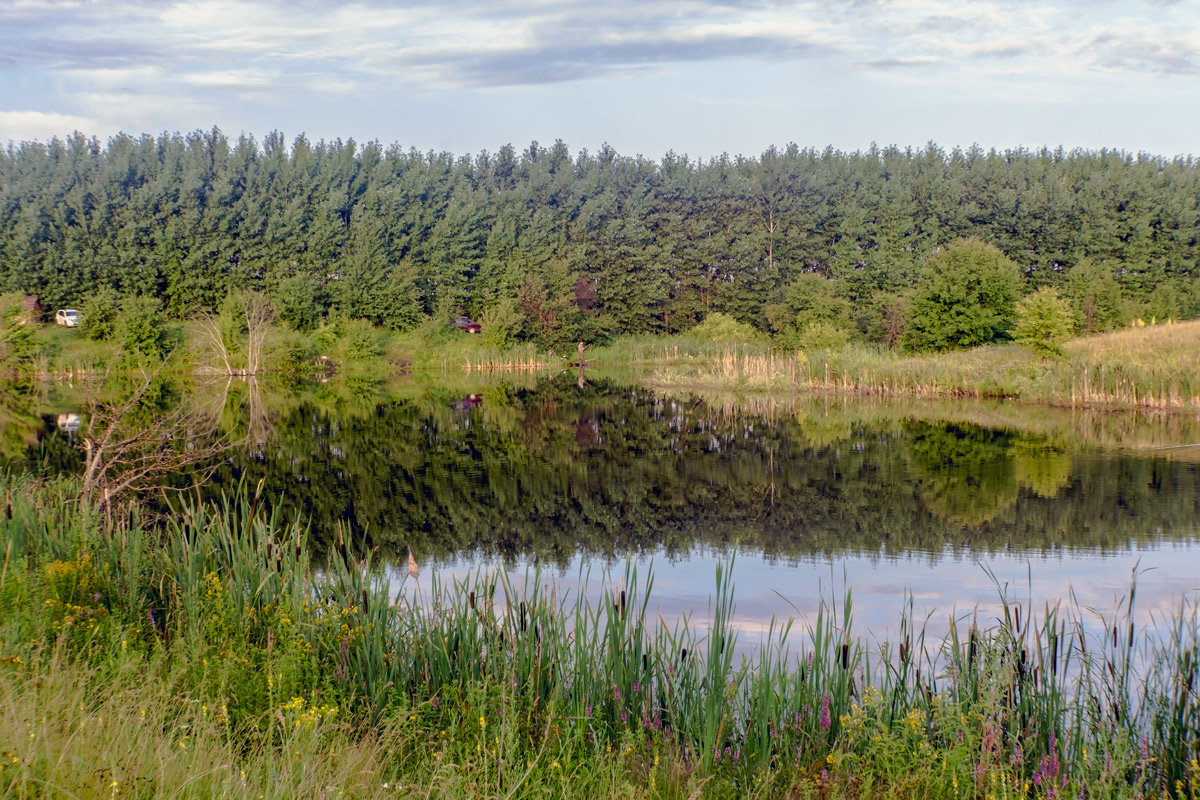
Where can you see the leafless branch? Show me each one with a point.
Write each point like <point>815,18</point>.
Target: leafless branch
<point>129,455</point>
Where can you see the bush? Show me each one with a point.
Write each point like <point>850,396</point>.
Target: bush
<point>16,336</point>
<point>501,323</point>
<point>966,298</point>
<point>143,328</point>
<point>359,341</point>
<point>1044,322</point>
<point>822,336</point>
<point>718,327</point>
<point>100,313</point>
<point>293,353</point>
<point>299,302</point>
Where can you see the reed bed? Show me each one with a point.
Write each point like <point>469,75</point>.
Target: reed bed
<point>1151,368</point>
<point>224,664</point>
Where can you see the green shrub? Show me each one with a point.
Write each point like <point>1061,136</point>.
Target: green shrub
<point>143,329</point>
<point>100,315</point>
<point>1044,322</point>
<point>719,327</point>
<point>965,298</point>
<point>359,341</point>
<point>17,343</point>
<point>822,336</point>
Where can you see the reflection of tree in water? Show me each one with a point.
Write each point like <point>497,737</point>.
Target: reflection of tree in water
<point>553,469</point>
<point>548,470</point>
<point>1043,467</point>
<point>971,475</point>
<point>965,474</point>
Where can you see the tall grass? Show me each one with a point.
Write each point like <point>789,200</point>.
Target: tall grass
<point>1152,368</point>
<point>233,666</point>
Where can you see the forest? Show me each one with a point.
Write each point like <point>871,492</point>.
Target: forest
<point>552,246</point>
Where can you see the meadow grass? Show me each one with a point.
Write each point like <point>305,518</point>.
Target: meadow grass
<point>1153,367</point>
<point>209,657</point>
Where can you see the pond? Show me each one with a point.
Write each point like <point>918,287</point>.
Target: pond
<point>944,505</point>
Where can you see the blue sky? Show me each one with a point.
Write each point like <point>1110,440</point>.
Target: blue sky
<point>645,76</point>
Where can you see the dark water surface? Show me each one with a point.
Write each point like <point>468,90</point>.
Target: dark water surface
<point>814,499</point>
<point>944,504</point>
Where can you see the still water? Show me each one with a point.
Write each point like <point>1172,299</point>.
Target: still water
<point>947,506</point>
<point>944,505</point>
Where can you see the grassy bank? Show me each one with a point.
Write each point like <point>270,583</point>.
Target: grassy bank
<point>209,659</point>
<point>1153,367</point>
<point>1150,367</point>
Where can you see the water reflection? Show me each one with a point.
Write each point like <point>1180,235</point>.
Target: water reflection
<point>814,495</point>
<point>553,471</point>
<point>941,586</point>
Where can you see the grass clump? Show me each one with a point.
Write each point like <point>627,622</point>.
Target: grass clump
<point>210,658</point>
<point>1150,367</point>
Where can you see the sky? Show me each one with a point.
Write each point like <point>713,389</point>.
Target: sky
<point>646,77</point>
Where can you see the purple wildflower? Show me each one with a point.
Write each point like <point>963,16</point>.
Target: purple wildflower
<point>825,721</point>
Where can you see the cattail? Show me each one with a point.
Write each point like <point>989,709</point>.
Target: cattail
<point>845,655</point>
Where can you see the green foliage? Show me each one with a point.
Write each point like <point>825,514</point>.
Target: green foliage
<point>357,342</point>
<point>143,329</point>
<point>1044,322</point>
<point>810,300</point>
<point>1095,298</point>
<point>298,301</point>
<point>293,353</point>
<point>501,324</point>
<point>966,298</point>
<point>589,245</point>
<point>822,336</point>
<point>719,327</point>
<point>100,312</point>
<point>17,341</point>
<point>149,655</point>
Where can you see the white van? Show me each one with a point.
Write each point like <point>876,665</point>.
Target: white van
<point>66,316</point>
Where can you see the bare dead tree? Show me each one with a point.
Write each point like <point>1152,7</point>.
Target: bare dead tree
<point>253,312</point>
<point>128,453</point>
<point>259,314</point>
<point>210,327</point>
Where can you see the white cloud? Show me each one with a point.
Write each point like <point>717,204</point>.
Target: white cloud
<point>238,81</point>
<point>20,126</point>
<point>155,64</point>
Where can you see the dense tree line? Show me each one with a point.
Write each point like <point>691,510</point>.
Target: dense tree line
<point>558,246</point>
